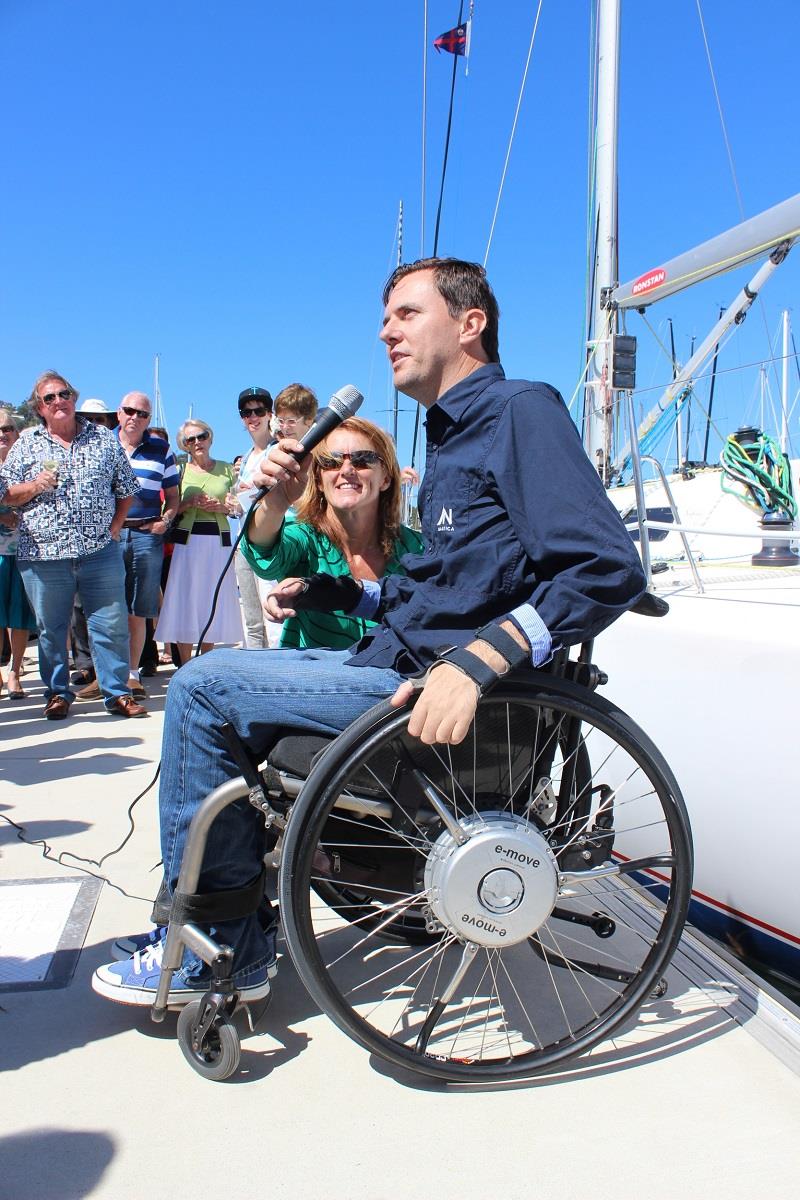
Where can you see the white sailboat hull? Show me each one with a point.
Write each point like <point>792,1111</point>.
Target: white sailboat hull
<point>715,684</point>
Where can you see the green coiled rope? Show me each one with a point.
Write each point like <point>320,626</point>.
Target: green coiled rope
<point>763,469</point>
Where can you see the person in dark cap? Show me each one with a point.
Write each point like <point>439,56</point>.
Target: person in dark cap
<point>255,409</point>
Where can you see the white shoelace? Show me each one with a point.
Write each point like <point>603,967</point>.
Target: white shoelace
<point>144,961</point>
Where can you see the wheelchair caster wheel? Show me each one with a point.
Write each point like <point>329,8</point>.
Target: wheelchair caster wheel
<point>659,990</point>
<point>217,1056</point>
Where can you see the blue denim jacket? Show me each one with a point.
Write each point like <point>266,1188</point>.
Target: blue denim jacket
<point>516,523</point>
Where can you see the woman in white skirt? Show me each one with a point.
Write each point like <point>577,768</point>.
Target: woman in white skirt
<point>202,546</point>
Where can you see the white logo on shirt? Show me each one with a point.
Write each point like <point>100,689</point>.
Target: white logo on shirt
<point>445,522</point>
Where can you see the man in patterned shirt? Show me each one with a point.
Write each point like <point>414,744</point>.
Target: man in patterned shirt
<point>73,487</point>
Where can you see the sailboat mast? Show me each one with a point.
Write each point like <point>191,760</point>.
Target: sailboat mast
<point>157,405</point>
<point>395,395</point>
<point>598,411</point>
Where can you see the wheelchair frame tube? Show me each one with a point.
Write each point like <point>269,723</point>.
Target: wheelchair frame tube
<point>221,797</point>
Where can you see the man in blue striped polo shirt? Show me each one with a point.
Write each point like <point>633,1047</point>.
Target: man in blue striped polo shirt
<point>147,520</point>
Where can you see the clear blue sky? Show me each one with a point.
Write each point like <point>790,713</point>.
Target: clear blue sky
<point>219,183</point>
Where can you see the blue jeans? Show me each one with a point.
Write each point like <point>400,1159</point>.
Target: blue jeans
<point>259,692</point>
<point>51,585</point>
<point>143,556</point>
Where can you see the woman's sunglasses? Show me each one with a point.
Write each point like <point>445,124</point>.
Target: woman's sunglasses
<point>196,437</point>
<point>360,459</point>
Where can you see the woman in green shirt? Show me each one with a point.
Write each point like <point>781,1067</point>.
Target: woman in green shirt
<point>348,523</point>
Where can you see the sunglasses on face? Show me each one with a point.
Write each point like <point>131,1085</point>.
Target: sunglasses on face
<point>135,412</point>
<point>7,429</point>
<point>51,397</point>
<point>332,460</point>
<point>196,437</point>
<point>256,411</point>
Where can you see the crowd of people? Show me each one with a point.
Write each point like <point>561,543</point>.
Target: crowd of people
<point>109,547</point>
<point>521,554</point>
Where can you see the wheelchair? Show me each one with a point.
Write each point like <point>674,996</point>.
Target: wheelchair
<point>473,913</point>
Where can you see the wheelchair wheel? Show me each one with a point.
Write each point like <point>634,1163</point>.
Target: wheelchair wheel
<point>547,859</point>
<point>217,1056</point>
<point>370,854</point>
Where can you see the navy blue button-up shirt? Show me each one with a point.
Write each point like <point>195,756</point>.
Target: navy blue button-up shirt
<point>516,522</point>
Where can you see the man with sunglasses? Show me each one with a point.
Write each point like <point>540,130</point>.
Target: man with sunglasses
<point>255,409</point>
<point>73,486</point>
<point>524,555</point>
<point>147,521</point>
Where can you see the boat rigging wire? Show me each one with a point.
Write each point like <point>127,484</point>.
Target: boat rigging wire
<point>591,155</point>
<point>513,131</point>
<point>728,147</point>
<point>719,110</point>
<point>424,121</point>
<point>582,380</point>
<point>447,140</point>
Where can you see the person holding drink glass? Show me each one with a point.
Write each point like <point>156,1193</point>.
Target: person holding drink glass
<point>72,486</point>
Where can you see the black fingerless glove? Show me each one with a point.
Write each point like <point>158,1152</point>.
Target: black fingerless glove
<point>329,593</point>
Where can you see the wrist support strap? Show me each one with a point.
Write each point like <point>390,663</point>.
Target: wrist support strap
<point>328,593</point>
<point>496,637</point>
<point>468,664</point>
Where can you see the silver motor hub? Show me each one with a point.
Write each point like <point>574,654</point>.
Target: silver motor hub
<point>496,888</point>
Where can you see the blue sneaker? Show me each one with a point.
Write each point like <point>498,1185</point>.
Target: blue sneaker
<point>135,981</point>
<point>124,947</point>
<point>138,943</point>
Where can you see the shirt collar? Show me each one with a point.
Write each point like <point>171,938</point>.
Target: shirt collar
<point>82,427</point>
<point>136,449</point>
<point>457,399</point>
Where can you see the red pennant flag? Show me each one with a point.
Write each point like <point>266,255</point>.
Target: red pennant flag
<point>454,41</point>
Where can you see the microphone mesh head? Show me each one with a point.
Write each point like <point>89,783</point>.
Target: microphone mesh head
<point>346,401</point>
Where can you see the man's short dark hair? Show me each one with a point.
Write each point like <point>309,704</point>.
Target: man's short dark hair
<point>461,285</point>
<point>255,393</point>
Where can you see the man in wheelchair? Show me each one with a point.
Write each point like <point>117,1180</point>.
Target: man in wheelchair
<point>524,555</point>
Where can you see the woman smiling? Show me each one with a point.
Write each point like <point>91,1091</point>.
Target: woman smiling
<point>202,540</point>
<point>348,524</point>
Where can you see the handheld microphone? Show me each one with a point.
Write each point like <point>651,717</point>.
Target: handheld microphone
<point>343,404</point>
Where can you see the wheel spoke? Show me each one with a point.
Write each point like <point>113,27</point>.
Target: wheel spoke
<point>453,958</point>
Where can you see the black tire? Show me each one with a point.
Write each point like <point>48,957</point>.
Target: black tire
<point>560,987</point>
<point>218,1056</point>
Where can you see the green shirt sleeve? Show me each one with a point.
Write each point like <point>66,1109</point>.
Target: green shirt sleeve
<point>299,550</point>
